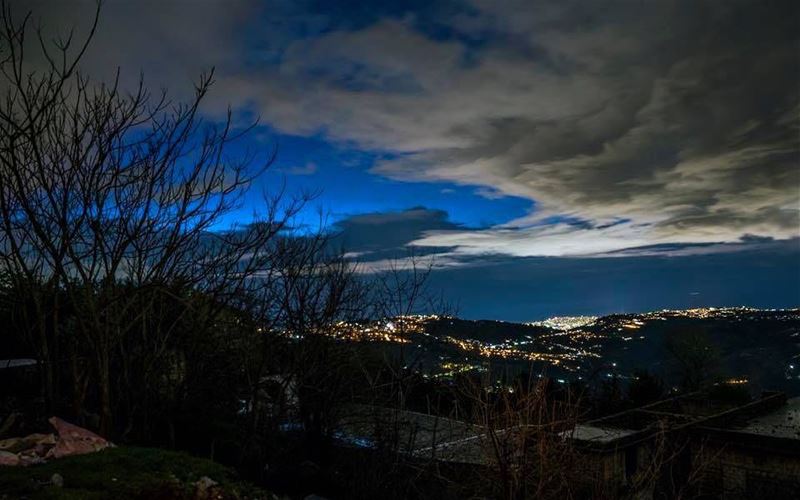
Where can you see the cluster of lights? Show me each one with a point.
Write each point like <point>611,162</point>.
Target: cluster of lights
<point>565,322</point>
<point>373,332</point>
<point>451,369</point>
<point>736,381</point>
<point>710,312</point>
<point>507,350</point>
<point>630,324</point>
<point>397,330</point>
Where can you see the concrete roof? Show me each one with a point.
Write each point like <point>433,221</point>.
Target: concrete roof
<point>595,434</point>
<point>13,363</point>
<point>781,423</point>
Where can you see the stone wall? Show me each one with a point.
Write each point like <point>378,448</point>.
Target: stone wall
<point>732,472</point>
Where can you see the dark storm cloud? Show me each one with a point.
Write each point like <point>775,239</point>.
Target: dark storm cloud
<point>171,42</point>
<point>374,231</point>
<point>679,118</point>
<point>378,239</point>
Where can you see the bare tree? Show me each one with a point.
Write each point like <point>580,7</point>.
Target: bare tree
<point>523,429</point>
<point>101,186</point>
<point>319,289</point>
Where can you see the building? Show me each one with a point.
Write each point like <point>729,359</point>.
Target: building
<point>756,457</point>
<point>698,446</point>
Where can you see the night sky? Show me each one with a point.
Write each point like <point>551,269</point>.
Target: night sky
<point>551,157</point>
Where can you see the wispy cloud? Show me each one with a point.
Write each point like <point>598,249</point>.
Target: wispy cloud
<point>310,168</point>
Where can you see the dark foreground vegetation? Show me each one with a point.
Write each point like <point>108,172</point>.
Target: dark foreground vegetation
<point>153,325</point>
<point>127,472</point>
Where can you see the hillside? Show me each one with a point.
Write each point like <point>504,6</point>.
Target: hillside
<point>762,346</point>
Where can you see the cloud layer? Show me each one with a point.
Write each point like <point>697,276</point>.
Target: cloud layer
<point>629,124</point>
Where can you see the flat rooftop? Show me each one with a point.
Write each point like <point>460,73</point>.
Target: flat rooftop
<point>595,434</point>
<point>769,415</point>
<point>781,423</point>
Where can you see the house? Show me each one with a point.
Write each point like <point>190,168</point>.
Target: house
<point>757,457</point>
<point>699,445</point>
